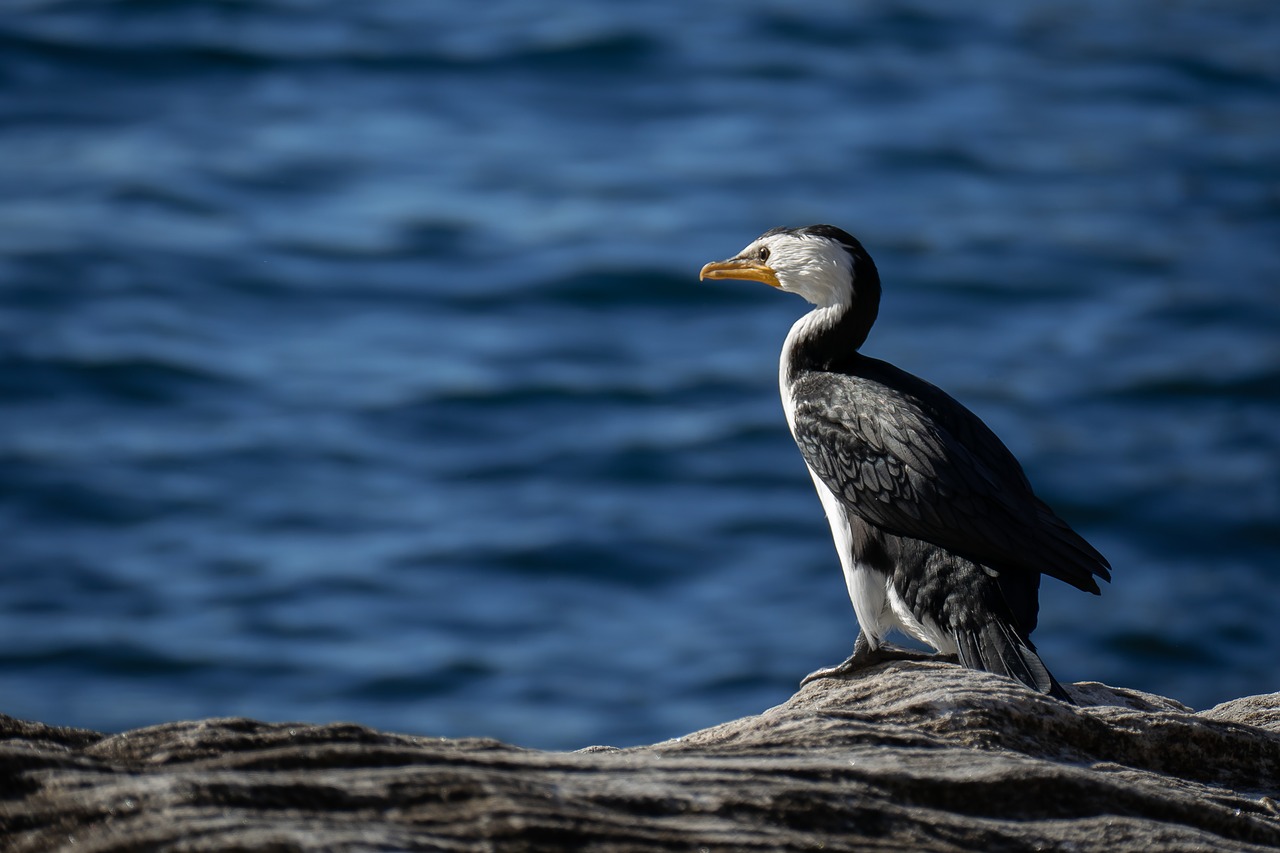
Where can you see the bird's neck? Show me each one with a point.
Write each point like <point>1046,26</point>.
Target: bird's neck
<point>825,339</point>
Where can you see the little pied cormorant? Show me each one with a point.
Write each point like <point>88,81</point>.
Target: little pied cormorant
<point>938,531</point>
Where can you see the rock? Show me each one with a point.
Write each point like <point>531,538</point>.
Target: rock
<point>905,756</point>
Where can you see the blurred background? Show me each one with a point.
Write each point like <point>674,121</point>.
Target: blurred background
<point>354,365</point>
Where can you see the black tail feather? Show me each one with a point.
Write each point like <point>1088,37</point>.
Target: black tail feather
<point>1077,562</point>
<point>997,648</point>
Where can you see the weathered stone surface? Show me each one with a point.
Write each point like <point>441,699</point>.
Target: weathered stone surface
<point>907,756</point>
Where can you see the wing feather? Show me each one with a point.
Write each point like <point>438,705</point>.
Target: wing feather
<point>907,458</point>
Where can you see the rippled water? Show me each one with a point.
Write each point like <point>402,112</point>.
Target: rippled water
<point>353,362</point>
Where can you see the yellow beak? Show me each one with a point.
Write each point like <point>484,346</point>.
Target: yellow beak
<point>742,269</point>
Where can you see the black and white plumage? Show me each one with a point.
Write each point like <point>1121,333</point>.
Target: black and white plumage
<point>939,533</point>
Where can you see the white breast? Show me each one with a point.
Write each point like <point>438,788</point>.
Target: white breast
<point>867,587</point>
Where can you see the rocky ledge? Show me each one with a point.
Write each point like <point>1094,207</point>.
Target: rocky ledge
<point>906,756</point>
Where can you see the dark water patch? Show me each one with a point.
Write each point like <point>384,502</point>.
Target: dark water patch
<point>1262,534</point>
<point>736,682</point>
<point>964,291</point>
<point>1218,75</point>
<point>1229,316</point>
<point>61,116</point>
<point>1160,649</point>
<point>50,592</point>
<point>47,279</point>
<point>889,28</point>
<point>1241,635</point>
<point>1261,386</point>
<point>345,586</point>
<point>392,246</point>
<point>126,660</point>
<point>456,676</point>
<point>165,199</point>
<point>124,380</point>
<point>195,43</point>
<point>606,288</point>
<point>637,465</point>
<point>283,181</point>
<point>237,570</point>
<point>49,54</point>
<point>279,630</point>
<point>44,495</point>
<point>601,54</point>
<point>480,410</point>
<point>57,583</point>
<point>307,496</point>
<point>939,156</point>
<point>262,593</point>
<point>595,562</point>
<point>1023,271</point>
<point>287,285</point>
<point>437,239</point>
<point>1211,535</point>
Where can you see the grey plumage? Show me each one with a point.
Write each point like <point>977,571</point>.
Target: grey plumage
<point>910,460</point>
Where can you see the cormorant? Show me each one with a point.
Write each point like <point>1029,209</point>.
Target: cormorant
<point>939,533</point>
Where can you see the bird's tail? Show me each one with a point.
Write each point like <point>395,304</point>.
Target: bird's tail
<point>996,647</point>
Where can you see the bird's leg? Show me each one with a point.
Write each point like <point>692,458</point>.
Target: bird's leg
<point>864,656</point>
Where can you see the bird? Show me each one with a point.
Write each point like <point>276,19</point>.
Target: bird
<point>939,533</point>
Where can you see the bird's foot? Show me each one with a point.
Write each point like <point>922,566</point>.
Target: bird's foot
<point>863,656</point>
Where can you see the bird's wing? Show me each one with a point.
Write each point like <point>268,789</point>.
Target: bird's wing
<point>918,464</point>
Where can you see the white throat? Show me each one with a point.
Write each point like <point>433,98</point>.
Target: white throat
<point>811,323</point>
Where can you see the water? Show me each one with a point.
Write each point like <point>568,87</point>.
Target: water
<point>353,362</point>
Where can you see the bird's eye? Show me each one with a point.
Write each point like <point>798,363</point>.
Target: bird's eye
<point>763,253</point>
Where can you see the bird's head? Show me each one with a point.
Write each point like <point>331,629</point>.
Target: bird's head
<point>826,266</point>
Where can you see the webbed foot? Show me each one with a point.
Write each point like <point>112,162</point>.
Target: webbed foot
<point>864,656</point>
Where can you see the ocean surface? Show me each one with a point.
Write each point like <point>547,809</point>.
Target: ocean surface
<point>354,363</point>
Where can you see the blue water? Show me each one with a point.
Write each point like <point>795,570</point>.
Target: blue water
<point>353,362</point>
